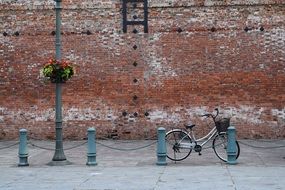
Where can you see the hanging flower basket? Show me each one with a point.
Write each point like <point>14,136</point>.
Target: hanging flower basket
<point>58,71</point>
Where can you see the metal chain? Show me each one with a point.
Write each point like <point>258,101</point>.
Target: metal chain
<point>76,146</point>
<point>127,149</point>
<point>128,141</point>
<point>253,146</point>
<point>33,138</point>
<point>41,147</point>
<point>268,141</point>
<point>9,146</point>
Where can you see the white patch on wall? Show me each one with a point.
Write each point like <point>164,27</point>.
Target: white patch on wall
<point>196,111</point>
<point>89,114</point>
<point>165,116</point>
<point>1,118</point>
<point>274,39</point>
<point>157,115</point>
<point>155,37</point>
<point>248,114</point>
<point>245,113</point>
<point>279,113</point>
<point>158,66</point>
<point>253,19</point>
<point>49,115</point>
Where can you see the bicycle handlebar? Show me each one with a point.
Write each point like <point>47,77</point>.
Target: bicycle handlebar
<point>211,115</point>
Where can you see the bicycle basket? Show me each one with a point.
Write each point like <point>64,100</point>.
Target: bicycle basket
<point>222,125</point>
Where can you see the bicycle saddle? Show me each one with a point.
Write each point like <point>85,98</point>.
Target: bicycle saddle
<point>190,126</point>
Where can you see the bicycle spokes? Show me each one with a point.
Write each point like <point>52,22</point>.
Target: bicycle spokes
<point>176,142</point>
<point>176,147</point>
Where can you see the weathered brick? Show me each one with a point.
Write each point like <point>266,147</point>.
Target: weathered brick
<point>198,55</point>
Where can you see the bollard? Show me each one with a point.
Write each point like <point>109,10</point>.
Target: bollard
<point>91,154</point>
<point>161,147</point>
<point>23,148</point>
<point>232,148</point>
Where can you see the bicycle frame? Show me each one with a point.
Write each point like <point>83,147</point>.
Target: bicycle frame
<point>194,142</point>
<point>209,136</point>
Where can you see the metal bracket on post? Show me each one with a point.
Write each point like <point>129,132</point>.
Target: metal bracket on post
<point>161,147</point>
<point>23,148</point>
<point>232,148</point>
<point>91,152</point>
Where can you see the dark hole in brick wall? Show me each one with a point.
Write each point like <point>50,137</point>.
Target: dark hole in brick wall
<point>135,47</point>
<point>3,134</point>
<point>127,132</point>
<point>146,114</point>
<point>136,114</point>
<point>88,32</point>
<point>5,34</point>
<point>246,29</point>
<point>135,64</point>
<point>52,33</point>
<point>17,33</point>
<point>179,30</point>
<point>261,28</point>
<point>135,17</point>
<point>124,113</point>
<point>135,80</point>
<point>135,97</point>
<point>213,29</point>
<point>135,31</point>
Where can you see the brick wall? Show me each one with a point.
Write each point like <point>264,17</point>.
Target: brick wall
<point>198,55</point>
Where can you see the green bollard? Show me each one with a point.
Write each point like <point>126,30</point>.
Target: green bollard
<point>161,147</point>
<point>91,154</point>
<point>231,148</point>
<point>23,148</point>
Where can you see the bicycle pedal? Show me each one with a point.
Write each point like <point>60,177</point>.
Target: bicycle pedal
<point>200,154</point>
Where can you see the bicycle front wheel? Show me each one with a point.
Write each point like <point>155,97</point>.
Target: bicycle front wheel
<point>220,147</point>
<point>178,145</point>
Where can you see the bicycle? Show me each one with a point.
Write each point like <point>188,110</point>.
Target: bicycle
<point>180,142</point>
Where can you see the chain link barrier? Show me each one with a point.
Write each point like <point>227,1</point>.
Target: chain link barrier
<point>76,146</point>
<point>128,141</point>
<point>52,149</point>
<point>154,138</point>
<point>127,149</point>
<point>261,147</point>
<point>267,140</point>
<point>102,144</point>
<point>8,146</point>
<point>40,147</point>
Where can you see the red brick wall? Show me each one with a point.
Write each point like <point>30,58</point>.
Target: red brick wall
<point>213,62</point>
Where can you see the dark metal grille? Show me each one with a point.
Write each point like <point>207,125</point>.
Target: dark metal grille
<point>126,22</point>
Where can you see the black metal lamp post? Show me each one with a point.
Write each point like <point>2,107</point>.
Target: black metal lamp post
<point>59,154</point>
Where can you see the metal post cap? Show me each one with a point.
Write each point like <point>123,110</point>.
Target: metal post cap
<point>23,130</point>
<point>161,129</point>
<point>91,129</point>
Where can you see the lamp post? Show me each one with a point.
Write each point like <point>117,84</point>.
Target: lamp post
<point>59,154</point>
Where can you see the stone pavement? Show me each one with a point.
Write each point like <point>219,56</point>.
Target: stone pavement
<point>257,169</point>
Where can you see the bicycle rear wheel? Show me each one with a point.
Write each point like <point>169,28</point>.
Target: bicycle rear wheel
<point>220,143</point>
<point>178,145</point>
